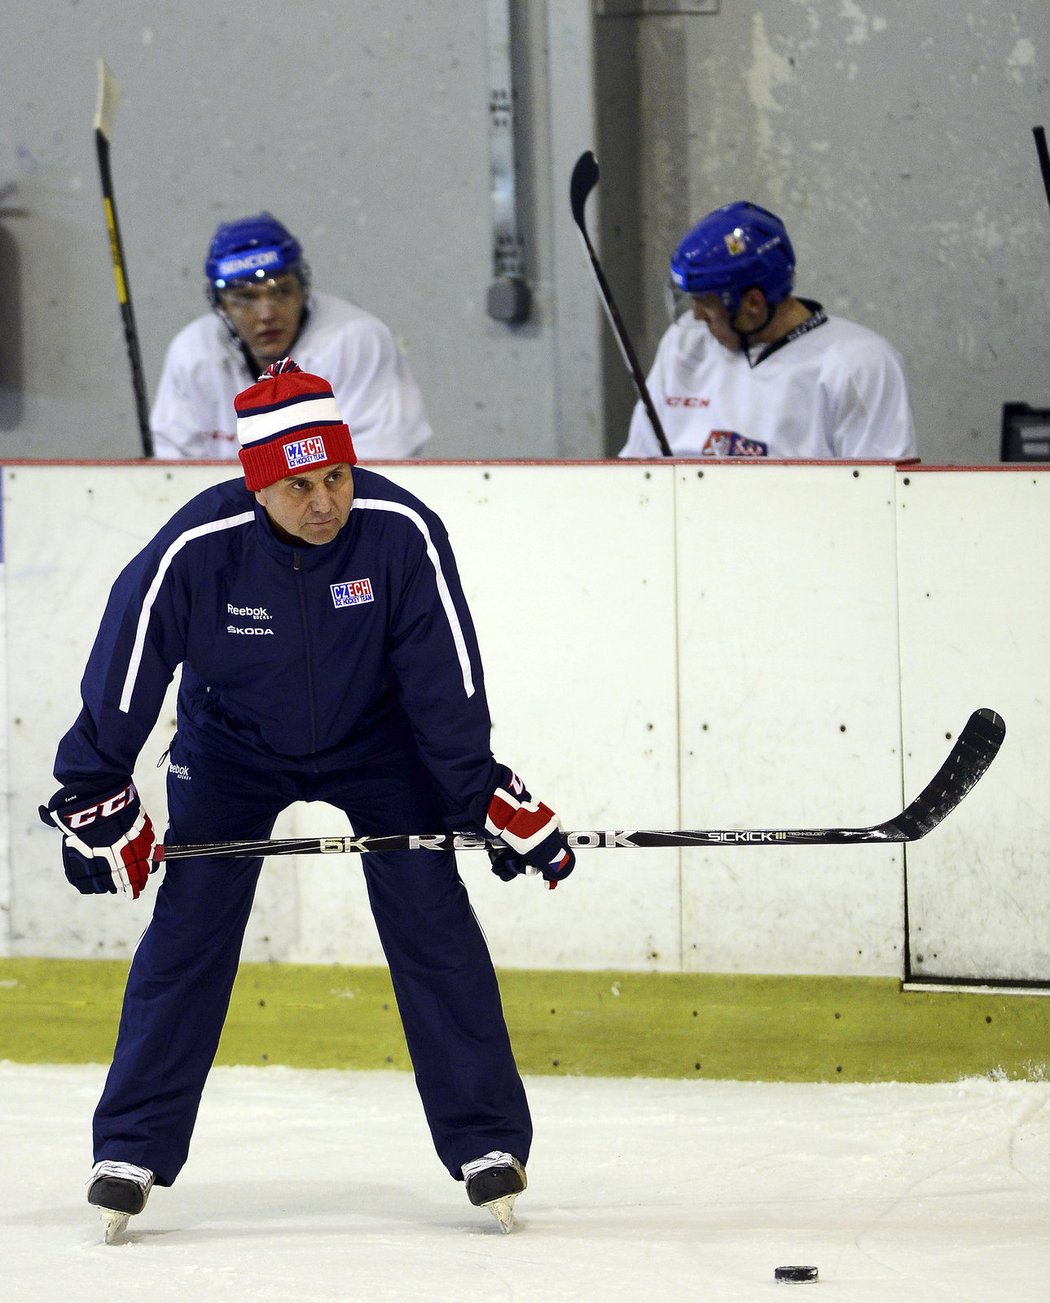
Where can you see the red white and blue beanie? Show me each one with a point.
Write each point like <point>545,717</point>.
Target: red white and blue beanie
<point>288,422</point>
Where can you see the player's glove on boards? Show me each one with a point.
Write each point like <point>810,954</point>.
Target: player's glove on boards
<point>107,842</point>
<point>529,830</point>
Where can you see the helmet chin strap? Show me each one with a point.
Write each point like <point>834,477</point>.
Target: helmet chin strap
<point>747,335</point>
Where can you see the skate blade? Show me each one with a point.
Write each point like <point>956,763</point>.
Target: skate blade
<point>503,1211</point>
<point>114,1224</point>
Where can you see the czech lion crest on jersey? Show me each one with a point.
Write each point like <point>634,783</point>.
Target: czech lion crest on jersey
<point>727,443</point>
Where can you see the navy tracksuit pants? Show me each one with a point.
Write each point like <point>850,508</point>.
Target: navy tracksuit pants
<point>183,970</point>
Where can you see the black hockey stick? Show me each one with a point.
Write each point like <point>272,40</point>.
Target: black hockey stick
<point>974,750</point>
<point>584,179</point>
<point>1044,158</point>
<point>108,94</point>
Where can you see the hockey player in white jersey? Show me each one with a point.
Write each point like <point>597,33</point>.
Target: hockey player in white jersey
<point>258,284</point>
<point>749,370</point>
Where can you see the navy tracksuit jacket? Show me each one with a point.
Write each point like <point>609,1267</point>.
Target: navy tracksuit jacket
<point>347,673</point>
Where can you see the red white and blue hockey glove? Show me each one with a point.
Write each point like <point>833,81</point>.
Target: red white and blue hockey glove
<point>107,842</point>
<point>529,830</point>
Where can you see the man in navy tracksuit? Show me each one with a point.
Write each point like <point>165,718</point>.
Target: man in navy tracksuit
<point>327,654</point>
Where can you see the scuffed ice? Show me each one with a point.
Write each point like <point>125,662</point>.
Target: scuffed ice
<point>323,1186</point>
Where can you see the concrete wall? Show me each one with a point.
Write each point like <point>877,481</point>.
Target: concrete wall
<point>365,127</point>
<point>894,137</point>
<point>895,140</point>
<point>722,647</point>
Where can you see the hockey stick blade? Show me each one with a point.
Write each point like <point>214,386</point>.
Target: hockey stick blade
<point>974,750</point>
<point>1044,158</point>
<point>583,180</point>
<point>108,98</point>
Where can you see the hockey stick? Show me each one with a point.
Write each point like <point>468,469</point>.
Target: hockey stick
<point>1044,158</point>
<point>584,179</point>
<point>974,750</point>
<point>108,94</point>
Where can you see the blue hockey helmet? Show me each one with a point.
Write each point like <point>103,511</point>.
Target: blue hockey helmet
<point>732,249</point>
<point>252,249</point>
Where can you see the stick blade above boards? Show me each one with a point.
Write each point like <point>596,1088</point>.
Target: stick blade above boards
<point>583,180</point>
<point>108,96</point>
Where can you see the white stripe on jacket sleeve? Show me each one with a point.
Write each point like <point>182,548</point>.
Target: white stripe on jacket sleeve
<point>449,607</point>
<point>213,527</point>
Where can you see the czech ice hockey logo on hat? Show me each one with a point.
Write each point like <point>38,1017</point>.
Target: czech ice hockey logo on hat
<point>287,422</point>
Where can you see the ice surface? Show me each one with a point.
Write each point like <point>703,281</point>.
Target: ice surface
<point>308,1186</point>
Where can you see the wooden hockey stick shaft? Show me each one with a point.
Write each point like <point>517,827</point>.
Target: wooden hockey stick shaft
<point>108,94</point>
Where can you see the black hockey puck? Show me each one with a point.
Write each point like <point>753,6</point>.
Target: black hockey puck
<point>795,1273</point>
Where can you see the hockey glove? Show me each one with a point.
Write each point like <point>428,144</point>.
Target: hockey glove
<point>505,863</point>
<point>107,842</point>
<point>529,830</point>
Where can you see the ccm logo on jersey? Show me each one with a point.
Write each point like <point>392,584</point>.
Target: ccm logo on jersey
<point>353,592</point>
<point>83,818</point>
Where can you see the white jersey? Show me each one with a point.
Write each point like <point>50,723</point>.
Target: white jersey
<point>205,369</point>
<point>832,390</point>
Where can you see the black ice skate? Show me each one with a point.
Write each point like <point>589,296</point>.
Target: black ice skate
<point>119,1190</point>
<point>494,1182</point>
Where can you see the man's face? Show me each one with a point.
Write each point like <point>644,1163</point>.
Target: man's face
<point>753,318</point>
<point>710,309</point>
<point>311,507</point>
<point>266,315</point>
